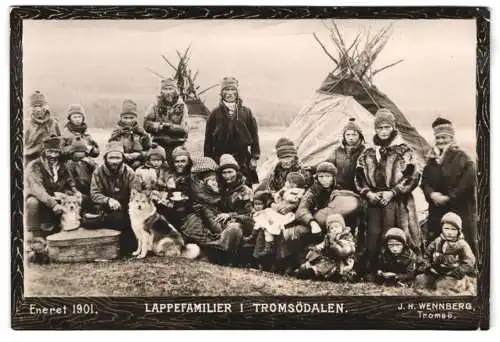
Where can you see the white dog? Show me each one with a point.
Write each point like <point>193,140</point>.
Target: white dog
<point>72,204</point>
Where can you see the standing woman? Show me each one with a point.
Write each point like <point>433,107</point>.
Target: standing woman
<point>386,175</point>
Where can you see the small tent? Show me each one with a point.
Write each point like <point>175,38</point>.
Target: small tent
<point>347,92</point>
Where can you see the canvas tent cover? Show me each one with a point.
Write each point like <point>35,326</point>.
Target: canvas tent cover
<point>317,129</point>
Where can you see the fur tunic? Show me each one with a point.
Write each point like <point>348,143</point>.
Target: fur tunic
<point>177,118</point>
<point>35,133</point>
<point>390,168</point>
<point>42,183</point>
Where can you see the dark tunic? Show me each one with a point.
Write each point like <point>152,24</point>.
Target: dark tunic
<point>236,135</point>
<point>454,176</point>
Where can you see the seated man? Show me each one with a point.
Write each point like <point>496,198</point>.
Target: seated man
<point>110,192</point>
<point>45,176</point>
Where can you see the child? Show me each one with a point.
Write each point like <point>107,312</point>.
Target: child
<point>271,222</point>
<point>346,155</point>
<point>135,141</point>
<point>288,161</point>
<point>317,197</point>
<point>76,127</point>
<point>40,126</point>
<point>262,200</point>
<point>397,261</point>
<point>333,258</point>
<point>450,261</point>
<point>156,161</point>
<point>288,197</point>
<point>80,167</point>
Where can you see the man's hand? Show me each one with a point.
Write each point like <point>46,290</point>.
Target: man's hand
<point>164,125</point>
<point>373,197</point>
<point>386,197</point>
<point>253,164</point>
<point>439,258</point>
<point>197,208</point>
<point>442,200</point>
<point>315,227</point>
<point>222,218</point>
<point>434,196</point>
<point>58,209</point>
<point>114,204</point>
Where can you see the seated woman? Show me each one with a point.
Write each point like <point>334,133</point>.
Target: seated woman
<point>269,223</point>
<point>307,230</point>
<point>236,203</point>
<point>288,161</point>
<point>217,239</point>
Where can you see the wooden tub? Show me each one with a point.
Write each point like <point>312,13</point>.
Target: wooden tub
<point>84,245</point>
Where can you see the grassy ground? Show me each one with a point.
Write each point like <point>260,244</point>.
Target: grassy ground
<point>157,276</point>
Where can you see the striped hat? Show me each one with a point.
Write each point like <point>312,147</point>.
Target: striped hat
<point>204,164</point>
<point>443,126</point>
<point>285,148</point>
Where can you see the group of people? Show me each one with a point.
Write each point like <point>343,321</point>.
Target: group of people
<point>352,215</point>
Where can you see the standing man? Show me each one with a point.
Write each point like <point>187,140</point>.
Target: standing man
<point>167,119</point>
<point>449,184</point>
<point>40,126</point>
<point>232,129</point>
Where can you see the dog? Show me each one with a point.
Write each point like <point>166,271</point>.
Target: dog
<point>72,204</point>
<point>146,178</point>
<point>153,232</point>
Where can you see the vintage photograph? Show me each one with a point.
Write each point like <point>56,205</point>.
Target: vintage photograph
<point>270,157</point>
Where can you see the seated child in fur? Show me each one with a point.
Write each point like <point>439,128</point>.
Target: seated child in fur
<point>397,261</point>
<point>270,222</point>
<point>333,258</point>
<point>156,182</point>
<point>80,168</point>
<point>450,262</point>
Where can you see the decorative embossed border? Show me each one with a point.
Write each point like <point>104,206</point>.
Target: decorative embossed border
<point>364,312</point>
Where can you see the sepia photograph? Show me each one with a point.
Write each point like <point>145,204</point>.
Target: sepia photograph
<point>240,157</point>
<point>321,157</point>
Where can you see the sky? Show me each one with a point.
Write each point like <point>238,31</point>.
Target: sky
<point>277,62</point>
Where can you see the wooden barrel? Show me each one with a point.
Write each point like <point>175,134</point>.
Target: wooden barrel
<point>84,245</point>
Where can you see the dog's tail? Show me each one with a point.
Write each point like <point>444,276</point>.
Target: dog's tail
<point>190,251</point>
